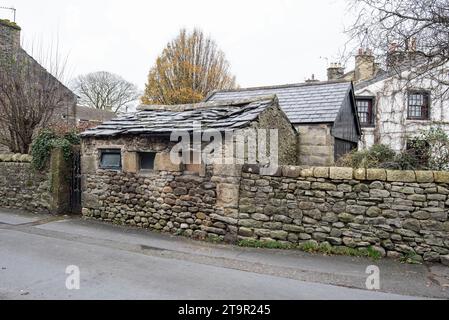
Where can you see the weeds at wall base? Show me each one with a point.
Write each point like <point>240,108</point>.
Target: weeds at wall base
<point>312,247</point>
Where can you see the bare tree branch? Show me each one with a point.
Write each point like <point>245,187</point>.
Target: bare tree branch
<point>29,95</point>
<point>406,35</point>
<point>105,91</point>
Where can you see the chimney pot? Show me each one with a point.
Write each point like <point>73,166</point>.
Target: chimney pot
<point>335,71</point>
<point>364,65</point>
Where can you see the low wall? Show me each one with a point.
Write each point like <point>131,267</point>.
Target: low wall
<point>21,187</point>
<point>39,191</point>
<point>395,212</point>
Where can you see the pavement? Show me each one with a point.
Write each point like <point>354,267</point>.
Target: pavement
<point>126,263</point>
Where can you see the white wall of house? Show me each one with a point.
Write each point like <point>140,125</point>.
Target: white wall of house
<point>391,124</point>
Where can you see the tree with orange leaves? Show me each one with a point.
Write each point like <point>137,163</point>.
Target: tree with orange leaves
<point>188,69</point>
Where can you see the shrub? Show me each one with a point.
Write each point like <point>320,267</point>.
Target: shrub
<point>371,158</point>
<point>46,141</point>
<point>407,160</point>
<point>431,148</point>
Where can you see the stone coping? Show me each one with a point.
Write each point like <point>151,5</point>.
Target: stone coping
<point>17,157</point>
<point>11,24</point>
<point>340,173</point>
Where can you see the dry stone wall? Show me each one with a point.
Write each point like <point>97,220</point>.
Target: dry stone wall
<point>166,201</point>
<point>395,212</point>
<point>21,187</point>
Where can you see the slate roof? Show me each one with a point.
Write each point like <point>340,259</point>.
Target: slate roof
<point>220,116</point>
<point>318,102</point>
<point>92,114</point>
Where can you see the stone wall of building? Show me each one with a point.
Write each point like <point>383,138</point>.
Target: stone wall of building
<point>198,204</point>
<point>288,138</point>
<point>21,187</point>
<point>316,145</point>
<point>395,212</point>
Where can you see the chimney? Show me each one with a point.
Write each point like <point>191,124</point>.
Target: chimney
<point>312,79</point>
<point>365,66</point>
<point>397,57</point>
<point>335,71</point>
<point>9,37</point>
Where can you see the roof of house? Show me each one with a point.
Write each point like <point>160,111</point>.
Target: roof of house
<point>41,68</point>
<point>316,102</point>
<point>92,114</point>
<point>221,116</point>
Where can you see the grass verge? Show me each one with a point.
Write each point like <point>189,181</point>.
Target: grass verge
<point>312,247</point>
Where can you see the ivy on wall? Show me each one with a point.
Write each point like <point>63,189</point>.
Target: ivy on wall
<point>48,140</point>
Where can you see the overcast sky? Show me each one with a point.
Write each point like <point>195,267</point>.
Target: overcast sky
<point>267,42</point>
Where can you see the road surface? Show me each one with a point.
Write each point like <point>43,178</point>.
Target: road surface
<point>123,263</point>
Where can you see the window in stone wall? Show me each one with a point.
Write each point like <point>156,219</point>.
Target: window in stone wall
<point>365,111</point>
<point>111,159</point>
<point>146,160</point>
<point>418,105</point>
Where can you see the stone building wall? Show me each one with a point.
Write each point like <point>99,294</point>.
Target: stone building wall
<point>197,204</point>
<point>288,138</point>
<point>21,187</point>
<point>316,145</point>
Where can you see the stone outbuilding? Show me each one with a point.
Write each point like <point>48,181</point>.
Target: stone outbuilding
<point>141,140</point>
<point>128,176</point>
<point>324,114</point>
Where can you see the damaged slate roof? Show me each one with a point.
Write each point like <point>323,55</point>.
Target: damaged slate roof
<point>221,116</point>
<point>318,102</point>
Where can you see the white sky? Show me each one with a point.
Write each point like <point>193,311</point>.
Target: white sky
<point>267,42</point>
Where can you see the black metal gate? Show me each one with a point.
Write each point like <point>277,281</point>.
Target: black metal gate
<point>75,182</point>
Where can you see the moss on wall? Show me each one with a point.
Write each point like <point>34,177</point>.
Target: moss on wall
<point>8,23</point>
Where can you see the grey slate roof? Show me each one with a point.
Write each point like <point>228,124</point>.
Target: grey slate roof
<point>92,114</point>
<point>318,102</point>
<point>220,116</point>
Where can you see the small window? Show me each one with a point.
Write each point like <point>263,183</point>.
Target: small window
<point>365,111</point>
<point>146,160</point>
<point>111,159</point>
<point>418,105</point>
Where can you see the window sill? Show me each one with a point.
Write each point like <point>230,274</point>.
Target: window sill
<point>147,173</point>
<point>111,169</point>
<point>418,120</point>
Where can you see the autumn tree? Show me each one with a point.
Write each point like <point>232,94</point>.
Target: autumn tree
<point>188,69</point>
<point>405,30</point>
<point>105,91</point>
